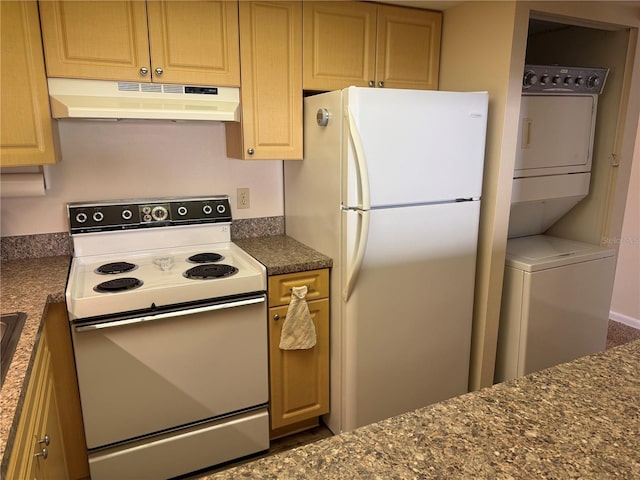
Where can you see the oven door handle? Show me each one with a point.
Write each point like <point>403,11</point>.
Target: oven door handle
<point>175,313</point>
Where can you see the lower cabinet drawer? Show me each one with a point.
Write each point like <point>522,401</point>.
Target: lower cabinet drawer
<point>317,282</point>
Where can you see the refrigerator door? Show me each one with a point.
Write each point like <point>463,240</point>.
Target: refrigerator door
<point>419,146</point>
<point>406,328</point>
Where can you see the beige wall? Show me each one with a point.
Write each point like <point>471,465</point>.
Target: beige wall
<point>104,160</point>
<point>625,305</point>
<point>488,56</point>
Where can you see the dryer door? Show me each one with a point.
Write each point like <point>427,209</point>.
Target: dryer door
<point>555,134</point>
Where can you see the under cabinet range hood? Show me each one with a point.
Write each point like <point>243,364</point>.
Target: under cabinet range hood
<point>74,98</point>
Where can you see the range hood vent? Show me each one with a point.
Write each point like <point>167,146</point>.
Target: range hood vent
<point>73,98</point>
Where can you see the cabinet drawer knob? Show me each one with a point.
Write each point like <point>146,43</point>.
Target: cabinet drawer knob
<point>44,453</point>
<point>372,83</point>
<point>159,71</point>
<point>381,84</point>
<point>251,151</point>
<point>46,440</point>
<point>276,317</point>
<point>144,71</point>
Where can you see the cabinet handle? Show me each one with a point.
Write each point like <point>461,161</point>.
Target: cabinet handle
<point>276,317</point>
<point>381,84</point>
<point>144,71</point>
<point>159,71</point>
<point>251,151</point>
<point>46,440</point>
<point>372,83</point>
<point>44,453</point>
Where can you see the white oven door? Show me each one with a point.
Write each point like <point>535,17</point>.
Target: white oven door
<point>144,375</point>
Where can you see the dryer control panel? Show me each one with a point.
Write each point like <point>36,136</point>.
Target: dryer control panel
<point>556,79</point>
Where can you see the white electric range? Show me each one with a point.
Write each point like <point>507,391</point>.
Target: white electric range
<point>168,323</point>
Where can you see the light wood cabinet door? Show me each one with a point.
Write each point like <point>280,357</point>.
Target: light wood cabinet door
<point>39,426</point>
<point>53,467</point>
<point>194,42</point>
<point>188,42</point>
<point>299,385</point>
<point>408,50</point>
<point>339,45</point>
<point>271,96</point>
<point>22,460</point>
<point>26,129</point>
<point>105,40</point>
<point>363,44</point>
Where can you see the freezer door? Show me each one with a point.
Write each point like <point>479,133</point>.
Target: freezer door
<point>406,327</point>
<point>419,146</point>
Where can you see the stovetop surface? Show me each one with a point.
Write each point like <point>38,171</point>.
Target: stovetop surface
<point>163,281</point>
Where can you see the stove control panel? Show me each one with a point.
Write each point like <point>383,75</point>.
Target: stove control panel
<point>556,79</point>
<point>85,217</point>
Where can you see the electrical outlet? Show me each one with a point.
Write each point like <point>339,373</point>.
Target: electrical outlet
<point>243,197</point>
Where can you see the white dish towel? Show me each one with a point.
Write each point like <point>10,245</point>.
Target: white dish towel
<point>298,330</point>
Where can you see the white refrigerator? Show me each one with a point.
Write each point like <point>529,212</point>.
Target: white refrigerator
<point>390,189</point>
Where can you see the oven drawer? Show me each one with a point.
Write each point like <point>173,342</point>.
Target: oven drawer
<point>183,451</point>
<point>317,282</point>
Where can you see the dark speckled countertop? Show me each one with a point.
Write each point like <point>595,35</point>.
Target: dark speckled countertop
<point>579,420</point>
<point>282,254</point>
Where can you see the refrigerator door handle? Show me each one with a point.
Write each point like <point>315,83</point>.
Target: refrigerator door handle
<point>358,256</point>
<point>361,162</point>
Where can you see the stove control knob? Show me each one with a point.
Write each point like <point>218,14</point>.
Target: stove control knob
<point>98,216</point>
<point>555,79</point>
<point>182,211</point>
<point>544,79</point>
<point>81,217</point>
<point>530,78</point>
<point>568,80</point>
<point>207,209</point>
<point>221,208</point>
<point>579,80</point>
<point>126,214</point>
<point>593,81</point>
<point>159,213</point>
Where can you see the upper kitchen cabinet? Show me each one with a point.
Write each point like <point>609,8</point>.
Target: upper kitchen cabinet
<point>408,48</point>
<point>339,45</point>
<point>363,44</point>
<point>26,135</point>
<point>271,63</point>
<point>168,42</point>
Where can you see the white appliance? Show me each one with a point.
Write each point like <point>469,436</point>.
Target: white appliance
<point>80,98</point>
<point>556,292</point>
<point>555,303</point>
<point>390,188</point>
<point>168,324</point>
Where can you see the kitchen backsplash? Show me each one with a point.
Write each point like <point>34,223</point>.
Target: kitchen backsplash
<point>53,244</point>
<point>103,160</point>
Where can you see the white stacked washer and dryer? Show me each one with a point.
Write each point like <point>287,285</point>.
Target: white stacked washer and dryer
<point>557,292</point>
